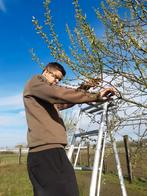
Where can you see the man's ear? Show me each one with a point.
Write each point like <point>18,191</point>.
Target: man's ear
<point>44,72</point>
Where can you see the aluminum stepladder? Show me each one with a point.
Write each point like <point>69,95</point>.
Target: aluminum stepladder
<point>99,154</point>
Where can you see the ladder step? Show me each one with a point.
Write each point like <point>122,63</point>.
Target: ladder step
<point>83,168</point>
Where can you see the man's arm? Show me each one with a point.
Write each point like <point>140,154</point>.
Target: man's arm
<point>83,86</point>
<point>54,94</point>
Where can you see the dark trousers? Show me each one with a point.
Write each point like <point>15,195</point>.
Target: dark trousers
<point>51,173</point>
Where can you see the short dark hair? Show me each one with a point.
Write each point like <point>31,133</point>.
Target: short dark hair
<point>55,66</point>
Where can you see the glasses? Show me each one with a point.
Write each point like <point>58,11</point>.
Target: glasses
<point>55,76</point>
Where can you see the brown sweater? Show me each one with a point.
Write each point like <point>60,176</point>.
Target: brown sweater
<point>42,102</point>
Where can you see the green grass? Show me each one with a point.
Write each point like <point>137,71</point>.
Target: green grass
<point>10,158</point>
<point>110,185</point>
<point>14,181</point>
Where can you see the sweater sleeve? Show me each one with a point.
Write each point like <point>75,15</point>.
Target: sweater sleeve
<point>55,94</point>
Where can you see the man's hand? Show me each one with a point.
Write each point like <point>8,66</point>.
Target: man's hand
<point>107,93</point>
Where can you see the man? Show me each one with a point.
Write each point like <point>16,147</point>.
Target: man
<point>49,169</point>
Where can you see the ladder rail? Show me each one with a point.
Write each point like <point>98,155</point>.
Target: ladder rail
<point>97,153</point>
<point>118,165</point>
<point>101,163</point>
<point>77,155</point>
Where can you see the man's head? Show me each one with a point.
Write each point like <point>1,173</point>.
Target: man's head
<point>53,72</point>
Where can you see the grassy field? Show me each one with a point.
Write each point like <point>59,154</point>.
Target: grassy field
<point>14,180</point>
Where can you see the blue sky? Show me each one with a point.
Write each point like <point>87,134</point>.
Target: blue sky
<point>17,37</point>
